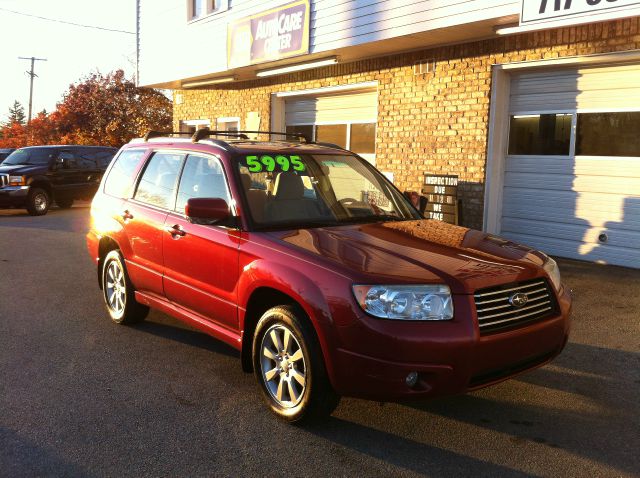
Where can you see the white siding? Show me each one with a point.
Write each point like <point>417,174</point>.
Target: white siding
<point>172,49</point>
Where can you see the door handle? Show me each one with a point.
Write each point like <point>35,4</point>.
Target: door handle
<point>126,215</point>
<point>176,230</point>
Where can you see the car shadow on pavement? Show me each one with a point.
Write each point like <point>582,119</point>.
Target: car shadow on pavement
<point>406,453</point>
<point>25,458</point>
<point>178,333</point>
<point>583,405</point>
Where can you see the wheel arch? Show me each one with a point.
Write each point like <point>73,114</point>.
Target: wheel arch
<point>106,245</point>
<point>263,298</point>
<point>43,183</point>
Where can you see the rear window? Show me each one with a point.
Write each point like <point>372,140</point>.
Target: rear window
<point>120,178</point>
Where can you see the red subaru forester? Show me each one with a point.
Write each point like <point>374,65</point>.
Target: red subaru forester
<point>310,262</point>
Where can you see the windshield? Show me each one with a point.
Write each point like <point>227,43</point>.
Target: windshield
<point>307,190</point>
<point>28,156</point>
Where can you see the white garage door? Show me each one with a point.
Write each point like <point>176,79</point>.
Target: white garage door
<point>572,171</point>
<point>347,119</point>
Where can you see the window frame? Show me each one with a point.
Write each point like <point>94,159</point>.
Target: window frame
<point>572,132</point>
<point>141,164</point>
<point>227,119</point>
<point>211,7</point>
<point>370,157</point>
<point>573,135</point>
<point>232,206</point>
<point>142,170</point>
<point>196,124</point>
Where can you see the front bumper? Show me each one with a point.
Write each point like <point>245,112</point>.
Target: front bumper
<point>450,358</point>
<point>13,196</point>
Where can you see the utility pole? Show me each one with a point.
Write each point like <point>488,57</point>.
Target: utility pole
<point>31,74</point>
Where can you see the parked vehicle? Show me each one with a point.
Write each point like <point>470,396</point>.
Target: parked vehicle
<point>35,176</point>
<point>5,152</point>
<point>311,263</point>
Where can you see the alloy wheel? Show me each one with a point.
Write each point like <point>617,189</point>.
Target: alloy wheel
<point>115,288</point>
<point>40,202</point>
<point>283,366</point>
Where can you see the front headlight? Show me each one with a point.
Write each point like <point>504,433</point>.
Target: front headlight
<point>17,181</point>
<point>551,267</point>
<point>405,302</point>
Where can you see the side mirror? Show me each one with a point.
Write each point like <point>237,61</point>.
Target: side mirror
<point>207,210</point>
<point>418,201</point>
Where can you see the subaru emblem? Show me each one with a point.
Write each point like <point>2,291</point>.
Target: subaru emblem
<point>519,299</point>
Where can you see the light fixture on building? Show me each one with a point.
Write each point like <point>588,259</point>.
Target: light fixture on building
<point>212,81</point>
<point>298,67</point>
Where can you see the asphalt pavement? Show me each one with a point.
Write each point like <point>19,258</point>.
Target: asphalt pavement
<point>80,396</point>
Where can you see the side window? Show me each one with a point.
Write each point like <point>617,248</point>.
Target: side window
<point>202,177</point>
<point>158,182</point>
<point>68,160</point>
<point>120,178</point>
<point>86,159</point>
<point>103,158</point>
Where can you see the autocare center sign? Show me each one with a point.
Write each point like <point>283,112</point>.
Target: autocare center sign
<point>566,12</point>
<point>271,35</point>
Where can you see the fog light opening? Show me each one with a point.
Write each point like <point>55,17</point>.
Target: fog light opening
<point>412,379</point>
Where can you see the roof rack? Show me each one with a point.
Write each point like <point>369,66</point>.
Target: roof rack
<point>205,132</point>
<point>158,134</point>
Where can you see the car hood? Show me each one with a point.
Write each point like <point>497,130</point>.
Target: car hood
<point>22,169</point>
<point>424,251</point>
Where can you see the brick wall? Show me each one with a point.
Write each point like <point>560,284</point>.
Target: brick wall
<point>436,122</point>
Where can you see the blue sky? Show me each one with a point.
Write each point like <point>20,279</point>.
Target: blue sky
<point>71,52</point>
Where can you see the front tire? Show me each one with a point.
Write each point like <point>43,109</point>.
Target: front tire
<point>38,202</point>
<point>289,366</point>
<point>118,292</point>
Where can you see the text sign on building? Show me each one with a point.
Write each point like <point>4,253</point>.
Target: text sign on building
<point>271,35</point>
<point>575,11</point>
<point>442,195</point>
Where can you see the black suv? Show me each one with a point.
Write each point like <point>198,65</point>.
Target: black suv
<point>35,176</point>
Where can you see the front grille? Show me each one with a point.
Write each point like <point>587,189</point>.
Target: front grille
<point>4,180</point>
<point>496,312</point>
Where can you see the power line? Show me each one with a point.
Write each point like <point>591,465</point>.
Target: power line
<point>67,23</point>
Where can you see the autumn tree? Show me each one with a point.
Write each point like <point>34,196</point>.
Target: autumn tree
<point>111,110</point>
<point>101,110</point>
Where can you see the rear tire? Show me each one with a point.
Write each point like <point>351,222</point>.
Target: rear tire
<point>38,202</point>
<point>288,365</point>
<point>118,292</point>
<point>64,203</point>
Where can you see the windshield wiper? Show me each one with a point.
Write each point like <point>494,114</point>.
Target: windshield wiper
<point>374,218</point>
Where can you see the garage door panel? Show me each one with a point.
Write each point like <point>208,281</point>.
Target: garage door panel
<point>608,207</point>
<point>583,184</point>
<point>582,165</point>
<point>572,232</point>
<point>622,256</point>
<point>335,108</point>
<point>599,87</point>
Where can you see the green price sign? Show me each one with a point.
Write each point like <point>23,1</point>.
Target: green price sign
<point>277,163</point>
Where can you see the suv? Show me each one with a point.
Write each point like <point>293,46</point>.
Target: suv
<point>34,176</point>
<point>310,262</point>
